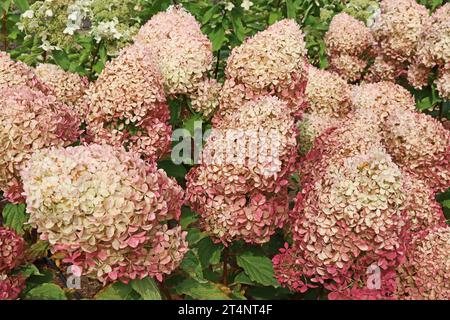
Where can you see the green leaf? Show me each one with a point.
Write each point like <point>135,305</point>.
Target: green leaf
<point>114,291</point>
<point>46,291</point>
<point>209,252</point>
<point>61,59</point>
<point>187,217</point>
<point>191,124</point>
<point>22,5</point>
<point>217,38</point>
<point>208,14</point>
<point>446,204</point>
<point>98,67</point>
<point>236,295</point>
<point>238,27</point>
<point>258,268</point>
<point>424,104</point>
<point>14,217</point>
<point>175,111</point>
<point>195,235</point>
<point>5,5</point>
<point>290,9</point>
<point>192,266</point>
<point>37,250</point>
<point>268,293</point>
<point>274,17</point>
<point>244,279</point>
<point>147,288</point>
<point>201,291</point>
<point>172,169</point>
<point>29,270</point>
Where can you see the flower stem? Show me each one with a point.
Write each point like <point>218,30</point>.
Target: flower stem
<point>4,31</point>
<point>225,266</point>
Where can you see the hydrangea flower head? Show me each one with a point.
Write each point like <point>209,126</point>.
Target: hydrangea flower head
<point>425,274</point>
<point>106,211</point>
<point>183,54</point>
<point>29,121</point>
<point>12,248</point>
<point>127,105</point>
<point>271,62</point>
<point>399,27</point>
<point>421,145</point>
<point>67,87</point>
<point>233,187</point>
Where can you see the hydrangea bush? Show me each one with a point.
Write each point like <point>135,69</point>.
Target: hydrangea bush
<point>224,149</point>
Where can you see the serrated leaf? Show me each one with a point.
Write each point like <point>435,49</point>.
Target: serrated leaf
<point>243,279</point>
<point>46,291</point>
<point>201,291</point>
<point>147,288</point>
<point>14,217</point>
<point>209,252</point>
<point>192,266</point>
<point>258,268</point>
<point>114,291</point>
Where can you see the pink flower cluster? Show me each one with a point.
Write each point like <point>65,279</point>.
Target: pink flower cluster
<point>29,121</point>
<point>329,100</point>
<point>420,145</point>
<point>18,74</point>
<point>426,272</point>
<point>403,42</point>
<point>433,51</point>
<point>398,29</point>
<point>183,54</point>
<point>11,287</point>
<point>12,248</point>
<point>397,32</point>
<point>368,185</point>
<point>240,187</point>
<point>67,87</point>
<point>127,105</point>
<point>271,62</point>
<point>106,211</point>
<point>348,43</point>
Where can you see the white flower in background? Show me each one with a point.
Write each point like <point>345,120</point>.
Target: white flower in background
<point>246,4</point>
<point>106,30</point>
<point>374,18</point>
<point>49,13</point>
<point>229,6</point>
<point>77,12</point>
<point>28,14</point>
<point>46,46</point>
